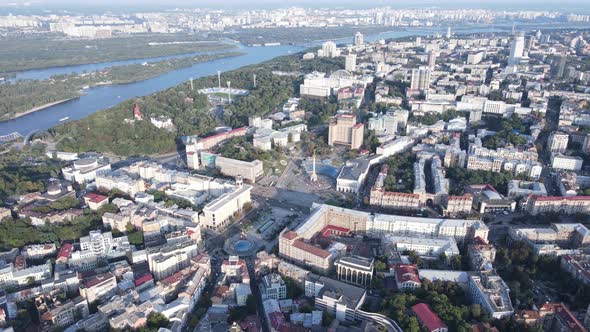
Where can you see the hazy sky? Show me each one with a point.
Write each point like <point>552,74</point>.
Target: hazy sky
<point>565,5</point>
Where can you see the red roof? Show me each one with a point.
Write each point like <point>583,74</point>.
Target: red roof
<point>290,235</point>
<point>311,249</point>
<point>276,319</point>
<point>428,317</point>
<point>562,312</point>
<point>405,273</point>
<point>143,279</point>
<point>65,251</point>
<point>559,198</point>
<point>332,230</point>
<point>95,198</point>
<point>227,133</point>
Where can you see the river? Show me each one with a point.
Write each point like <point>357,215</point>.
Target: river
<point>98,98</point>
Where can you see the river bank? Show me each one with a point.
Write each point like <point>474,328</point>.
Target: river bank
<point>15,96</point>
<point>38,108</point>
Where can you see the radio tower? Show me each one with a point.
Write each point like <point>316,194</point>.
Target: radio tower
<point>313,177</point>
<point>254,76</point>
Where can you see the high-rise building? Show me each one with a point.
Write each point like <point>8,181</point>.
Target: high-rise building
<point>449,33</point>
<point>420,78</point>
<point>345,130</point>
<point>359,39</point>
<point>350,62</point>
<point>558,66</point>
<point>517,49</point>
<point>329,50</point>
<point>432,59</point>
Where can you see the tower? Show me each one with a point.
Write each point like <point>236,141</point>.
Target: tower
<point>254,78</point>
<point>517,49</point>
<point>219,78</point>
<point>449,33</point>
<point>192,87</point>
<point>229,92</point>
<point>313,176</point>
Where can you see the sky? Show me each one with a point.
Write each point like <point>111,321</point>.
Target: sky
<point>564,5</point>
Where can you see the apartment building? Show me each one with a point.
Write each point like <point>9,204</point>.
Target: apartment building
<point>557,142</point>
<point>491,292</point>
<point>98,286</point>
<point>457,205</point>
<point>394,200</point>
<point>569,163</point>
<point>563,205</point>
<point>344,130</point>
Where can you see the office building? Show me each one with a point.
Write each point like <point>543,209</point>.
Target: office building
<point>85,170</point>
<point>520,188</point>
<point>219,212</point>
<point>248,170</point>
<point>406,276</point>
<point>170,258</point>
<point>355,270</point>
<point>343,129</point>
<point>273,287</point>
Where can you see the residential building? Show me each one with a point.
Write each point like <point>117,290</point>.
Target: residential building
<point>98,286</point>
<point>563,205</point>
<point>95,201</point>
<point>350,62</point>
<point>491,292</point>
<point>557,142</point>
<point>344,130</point>
<point>458,205</point>
<point>420,80</point>
<point>520,188</point>
<point>570,163</point>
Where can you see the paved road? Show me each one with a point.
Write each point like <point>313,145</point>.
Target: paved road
<point>256,292</point>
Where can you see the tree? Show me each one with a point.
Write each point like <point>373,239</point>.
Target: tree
<point>156,320</point>
<point>413,325</point>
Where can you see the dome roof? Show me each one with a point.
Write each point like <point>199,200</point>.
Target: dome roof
<point>341,74</point>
